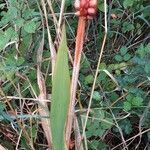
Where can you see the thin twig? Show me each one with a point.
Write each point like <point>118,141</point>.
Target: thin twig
<point>61,15</point>
<point>51,46</point>
<point>53,14</point>
<point>43,108</point>
<point>23,98</point>
<point>132,138</point>
<point>2,148</point>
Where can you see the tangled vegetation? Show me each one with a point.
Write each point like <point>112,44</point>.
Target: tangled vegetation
<point>119,113</point>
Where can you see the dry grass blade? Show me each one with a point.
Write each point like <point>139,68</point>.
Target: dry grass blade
<point>2,148</point>
<point>57,26</point>
<point>78,144</point>
<point>43,111</point>
<point>51,45</point>
<point>53,14</point>
<point>43,108</point>
<point>61,15</point>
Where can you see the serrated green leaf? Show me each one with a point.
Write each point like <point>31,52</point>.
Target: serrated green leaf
<point>6,36</point>
<point>123,50</point>
<point>107,123</point>
<point>30,27</point>
<point>118,58</point>
<point>20,61</point>
<point>10,34</point>
<point>9,16</point>
<point>3,41</point>
<point>126,57</point>
<point>137,101</point>
<point>19,22</point>
<point>127,26</point>
<point>102,66</point>
<point>89,79</point>
<point>96,96</point>
<point>147,67</point>
<point>129,97</point>
<point>127,106</point>
<point>2,106</point>
<point>128,3</point>
<point>28,13</point>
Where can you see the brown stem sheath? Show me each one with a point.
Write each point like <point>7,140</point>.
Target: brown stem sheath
<point>75,74</point>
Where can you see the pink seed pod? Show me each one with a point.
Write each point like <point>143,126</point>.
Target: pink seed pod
<point>86,8</point>
<point>93,3</point>
<point>77,4</point>
<point>91,11</point>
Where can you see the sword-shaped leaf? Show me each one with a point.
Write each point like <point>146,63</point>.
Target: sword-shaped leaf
<point>60,96</point>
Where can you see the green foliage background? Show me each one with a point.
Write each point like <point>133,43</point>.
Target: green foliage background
<point>126,57</point>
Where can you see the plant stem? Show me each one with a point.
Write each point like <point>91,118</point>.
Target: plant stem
<point>75,74</point>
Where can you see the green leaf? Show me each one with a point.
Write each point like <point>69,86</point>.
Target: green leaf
<point>34,131</point>
<point>147,67</point>
<point>3,41</point>
<point>118,72</point>
<point>126,57</point>
<point>30,26</point>
<point>24,143</point>
<point>2,106</point>
<point>97,145</point>
<point>123,50</point>
<point>102,66</point>
<point>118,58</point>
<point>89,79</point>
<point>93,128</point>
<point>7,36</point>
<point>128,3</point>
<point>96,96</point>
<point>137,101</point>
<point>129,97</point>
<point>127,26</point>
<point>28,13</point>
<point>128,128</point>
<point>125,125</point>
<point>127,106</point>
<point>20,61</point>
<point>9,16</point>
<point>107,123</point>
<point>123,65</point>
<point>19,22</point>
<point>98,113</point>
<point>101,5</point>
<point>60,96</point>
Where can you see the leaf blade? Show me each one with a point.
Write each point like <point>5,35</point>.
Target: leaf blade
<point>60,96</point>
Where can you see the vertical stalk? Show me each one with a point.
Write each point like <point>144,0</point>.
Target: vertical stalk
<point>75,74</point>
<point>85,9</point>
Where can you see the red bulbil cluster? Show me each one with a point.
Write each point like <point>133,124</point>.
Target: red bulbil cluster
<point>85,8</point>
